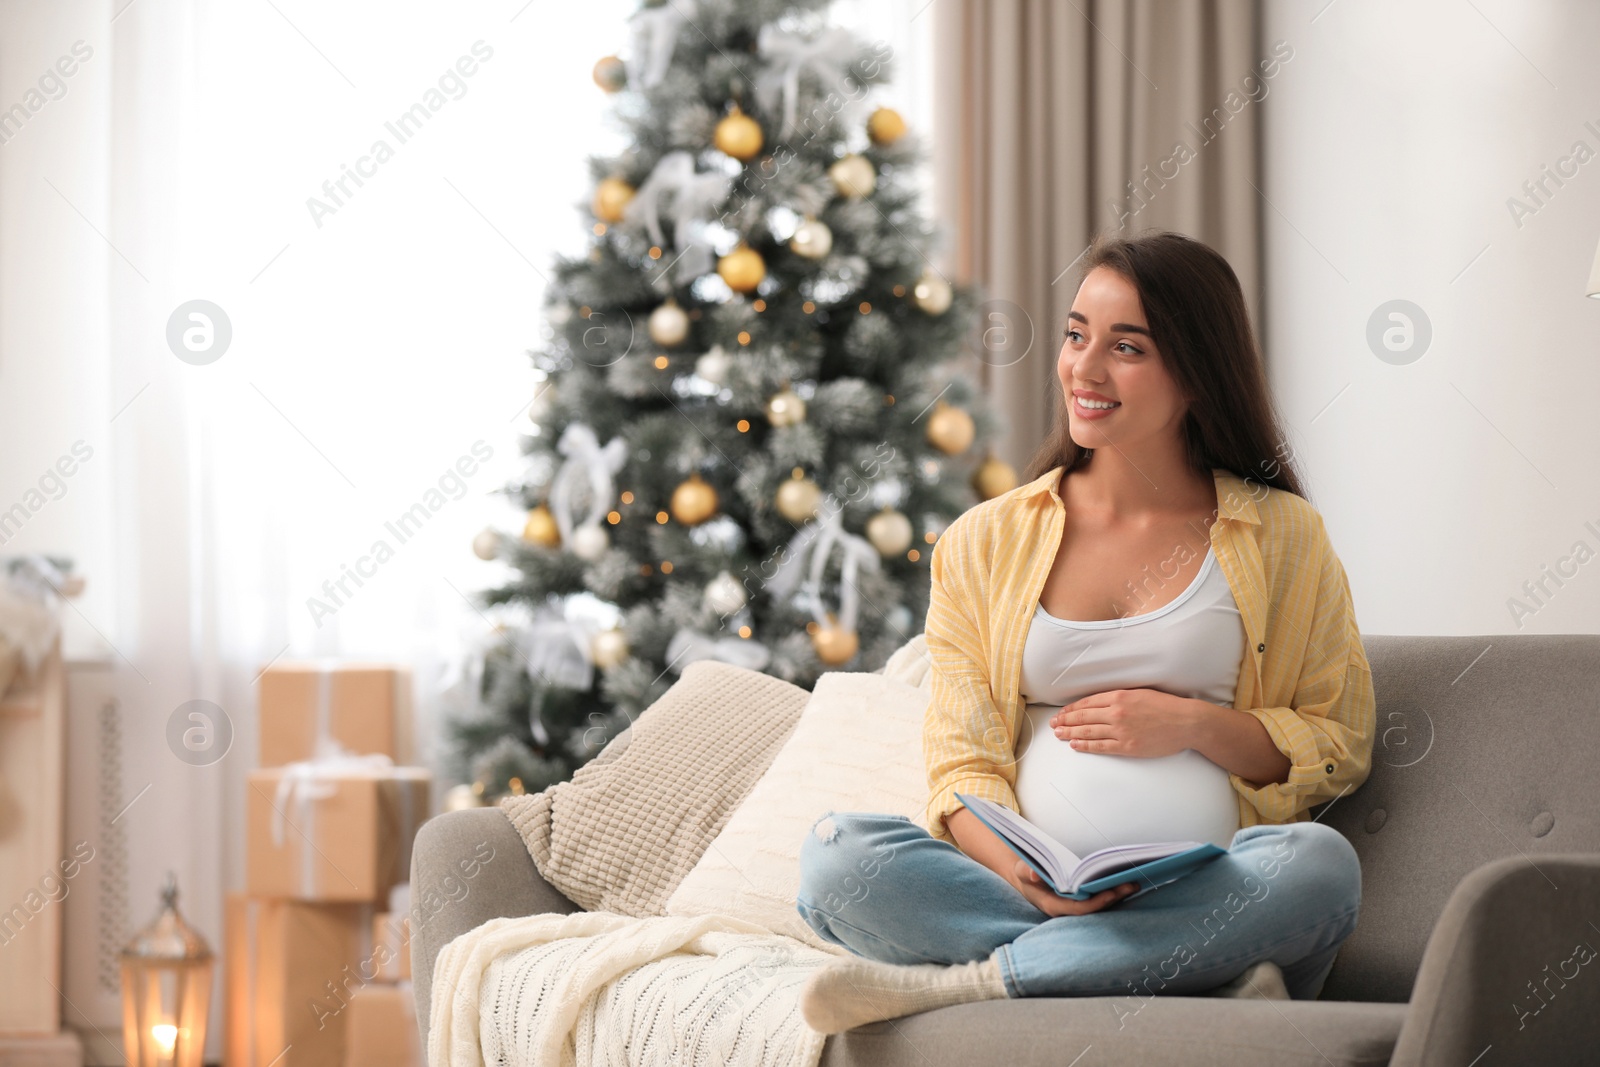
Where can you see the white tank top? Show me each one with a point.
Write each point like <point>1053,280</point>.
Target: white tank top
<point>1192,647</point>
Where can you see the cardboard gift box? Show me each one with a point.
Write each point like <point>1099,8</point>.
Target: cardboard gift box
<point>391,940</point>
<point>338,831</point>
<point>382,1031</point>
<point>365,707</point>
<point>289,970</point>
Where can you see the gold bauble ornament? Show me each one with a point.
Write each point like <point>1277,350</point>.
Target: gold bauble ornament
<point>885,126</point>
<point>608,648</point>
<point>812,239</point>
<point>994,477</point>
<point>694,501</point>
<point>786,408</point>
<point>931,293</point>
<point>610,74</point>
<point>853,176</point>
<point>797,498</point>
<point>835,645</point>
<point>890,532</point>
<point>669,324</point>
<point>950,429</point>
<point>742,269</point>
<point>541,528</point>
<point>738,135</point>
<point>611,197</point>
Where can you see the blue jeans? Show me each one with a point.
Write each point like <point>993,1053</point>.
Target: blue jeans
<point>884,888</point>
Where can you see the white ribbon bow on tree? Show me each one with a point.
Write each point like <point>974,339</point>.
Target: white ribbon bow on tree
<point>695,200</point>
<point>828,55</point>
<point>690,645</point>
<point>818,539</point>
<point>655,35</point>
<point>557,650</point>
<point>587,467</point>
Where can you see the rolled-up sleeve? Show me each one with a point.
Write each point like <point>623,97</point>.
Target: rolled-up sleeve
<point>967,741</point>
<point>1328,732</point>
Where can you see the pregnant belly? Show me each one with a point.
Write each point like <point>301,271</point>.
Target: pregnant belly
<point>1091,800</point>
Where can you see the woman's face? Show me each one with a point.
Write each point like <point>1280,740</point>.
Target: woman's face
<point>1108,355</point>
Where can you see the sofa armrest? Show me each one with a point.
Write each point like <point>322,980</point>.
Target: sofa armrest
<point>1510,964</point>
<point>468,867</point>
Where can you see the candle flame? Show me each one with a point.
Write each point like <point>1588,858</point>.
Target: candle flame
<point>166,1036</point>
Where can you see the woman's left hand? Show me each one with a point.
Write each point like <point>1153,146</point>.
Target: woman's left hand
<point>1129,722</point>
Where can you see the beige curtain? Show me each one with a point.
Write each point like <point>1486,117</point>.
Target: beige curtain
<point>1058,118</point>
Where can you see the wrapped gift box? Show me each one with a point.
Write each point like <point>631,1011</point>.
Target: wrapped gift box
<point>339,831</point>
<point>382,1031</point>
<point>289,972</point>
<point>365,707</point>
<point>391,940</point>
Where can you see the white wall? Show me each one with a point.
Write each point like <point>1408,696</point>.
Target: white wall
<point>1394,138</point>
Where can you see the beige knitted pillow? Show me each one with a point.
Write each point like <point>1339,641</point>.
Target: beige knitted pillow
<point>624,831</point>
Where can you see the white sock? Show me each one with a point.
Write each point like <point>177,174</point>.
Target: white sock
<point>853,991</point>
<point>1263,981</point>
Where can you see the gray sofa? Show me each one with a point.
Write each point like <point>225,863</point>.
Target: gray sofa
<point>1479,838</point>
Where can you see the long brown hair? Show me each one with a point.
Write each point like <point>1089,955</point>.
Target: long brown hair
<point>1195,309</point>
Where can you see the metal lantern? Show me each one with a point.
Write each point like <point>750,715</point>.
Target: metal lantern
<point>166,990</point>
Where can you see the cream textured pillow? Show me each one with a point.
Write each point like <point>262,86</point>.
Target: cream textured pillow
<point>858,747</point>
<point>625,830</point>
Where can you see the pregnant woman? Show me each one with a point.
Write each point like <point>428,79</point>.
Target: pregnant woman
<point>1152,641</point>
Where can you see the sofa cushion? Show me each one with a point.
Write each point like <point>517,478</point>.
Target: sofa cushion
<point>1124,1032</point>
<point>624,831</point>
<point>858,747</point>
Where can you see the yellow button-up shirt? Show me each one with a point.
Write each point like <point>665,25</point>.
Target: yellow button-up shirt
<point>1304,674</point>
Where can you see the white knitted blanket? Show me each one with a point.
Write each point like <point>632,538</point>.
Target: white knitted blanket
<point>597,988</point>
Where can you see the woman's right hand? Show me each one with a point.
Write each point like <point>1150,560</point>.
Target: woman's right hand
<point>1041,896</point>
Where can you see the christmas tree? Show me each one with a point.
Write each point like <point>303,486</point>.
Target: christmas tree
<point>750,428</point>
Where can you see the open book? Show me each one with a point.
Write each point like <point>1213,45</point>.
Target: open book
<point>1152,865</point>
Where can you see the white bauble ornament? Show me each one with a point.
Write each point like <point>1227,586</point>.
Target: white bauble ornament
<point>786,408</point>
<point>890,532</point>
<point>609,648</point>
<point>714,365</point>
<point>797,498</point>
<point>590,542</point>
<point>812,239</point>
<point>486,544</point>
<point>931,293</point>
<point>853,176</point>
<point>669,324</point>
<point>724,594</point>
